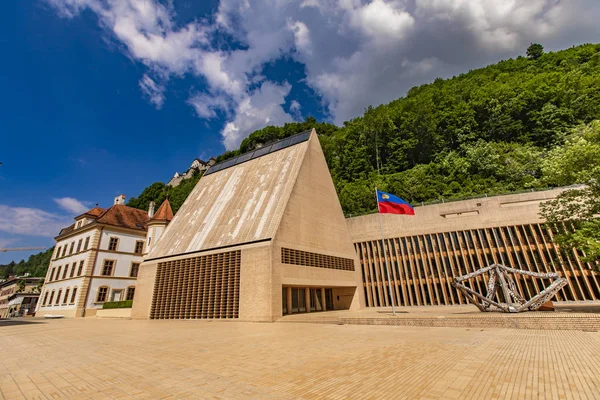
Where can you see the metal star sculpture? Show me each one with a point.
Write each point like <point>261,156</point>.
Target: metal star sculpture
<point>499,278</point>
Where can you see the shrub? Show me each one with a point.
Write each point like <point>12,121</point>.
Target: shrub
<point>118,304</point>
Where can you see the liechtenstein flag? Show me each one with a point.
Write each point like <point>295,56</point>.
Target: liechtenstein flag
<point>389,204</point>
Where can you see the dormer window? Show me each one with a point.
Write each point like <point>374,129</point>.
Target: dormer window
<point>79,224</point>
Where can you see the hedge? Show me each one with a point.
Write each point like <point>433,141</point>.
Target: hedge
<point>118,304</point>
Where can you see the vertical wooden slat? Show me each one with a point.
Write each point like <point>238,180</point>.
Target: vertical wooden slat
<point>415,271</point>
<point>428,275</point>
<point>367,276</point>
<point>374,283</point>
<point>393,262</point>
<point>435,254</point>
<point>383,283</point>
<point>405,266</point>
<point>399,260</point>
<point>580,266</point>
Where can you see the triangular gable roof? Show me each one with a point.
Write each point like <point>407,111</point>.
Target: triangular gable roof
<point>164,212</point>
<point>236,202</point>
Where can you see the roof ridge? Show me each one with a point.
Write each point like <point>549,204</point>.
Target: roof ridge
<point>261,151</point>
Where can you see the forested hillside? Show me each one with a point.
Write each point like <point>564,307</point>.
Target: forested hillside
<point>519,124</point>
<point>36,265</point>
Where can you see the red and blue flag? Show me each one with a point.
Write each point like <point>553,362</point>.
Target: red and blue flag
<point>389,204</point>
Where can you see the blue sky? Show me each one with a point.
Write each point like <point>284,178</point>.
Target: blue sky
<point>102,97</point>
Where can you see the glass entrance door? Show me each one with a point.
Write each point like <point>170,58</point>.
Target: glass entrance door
<point>298,300</point>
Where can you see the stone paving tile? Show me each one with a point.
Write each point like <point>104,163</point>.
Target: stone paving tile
<point>119,359</point>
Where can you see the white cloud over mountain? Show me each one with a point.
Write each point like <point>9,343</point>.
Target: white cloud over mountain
<point>355,53</point>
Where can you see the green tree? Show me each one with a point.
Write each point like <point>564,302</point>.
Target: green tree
<point>36,265</point>
<point>578,160</point>
<point>155,192</point>
<point>513,125</point>
<point>535,51</point>
<point>575,216</point>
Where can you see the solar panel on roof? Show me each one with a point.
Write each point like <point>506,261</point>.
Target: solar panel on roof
<point>251,155</point>
<point>244,157</point>
<point>212,169</point>
<point>282,144</point>
<point>299,138</point>
<point>261,152</point>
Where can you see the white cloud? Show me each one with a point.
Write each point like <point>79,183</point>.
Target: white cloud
<point>206,106</point>
<point>295,108</point>
<point>382,20</point>
<point>261,108</point>
<point>154,91</point>
<point>31,221</point>
<point>71,205</point>
<point>355,53</point>
<point>301,36</point>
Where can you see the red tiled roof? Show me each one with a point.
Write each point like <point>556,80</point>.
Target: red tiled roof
<point>124,216</point>
<point>164,213</point>
<point>117,215</point>
<point>94,212</point>
<point>66,230</point>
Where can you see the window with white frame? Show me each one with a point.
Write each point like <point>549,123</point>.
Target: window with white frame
<point>113,244</point>
<point>108,267</point>
<point>102,293</point>
<point>139,247</point>
<point>74,295</point>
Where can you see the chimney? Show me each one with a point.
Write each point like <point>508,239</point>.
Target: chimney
<point>120,199</point>
<point>151,209</point>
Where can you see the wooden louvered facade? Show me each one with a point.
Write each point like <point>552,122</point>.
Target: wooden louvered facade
<point>441,242</point>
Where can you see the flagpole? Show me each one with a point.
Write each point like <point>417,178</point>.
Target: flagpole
<point>387,265</point>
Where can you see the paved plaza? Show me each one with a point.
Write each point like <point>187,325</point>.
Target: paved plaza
<point>102,358</point>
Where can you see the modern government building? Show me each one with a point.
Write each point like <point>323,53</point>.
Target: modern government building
<point>263,235</point>
<point>444,241</point>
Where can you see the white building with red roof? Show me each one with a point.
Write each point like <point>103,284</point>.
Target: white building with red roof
<point>97,258</point>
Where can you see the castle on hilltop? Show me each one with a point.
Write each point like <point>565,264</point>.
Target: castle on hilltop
<point>197,166</point>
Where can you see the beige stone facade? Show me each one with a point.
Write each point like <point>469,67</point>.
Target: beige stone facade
<point>18,296</point>
<point>426,251</point>
<point>97,259</point>
<point>261,234</point>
